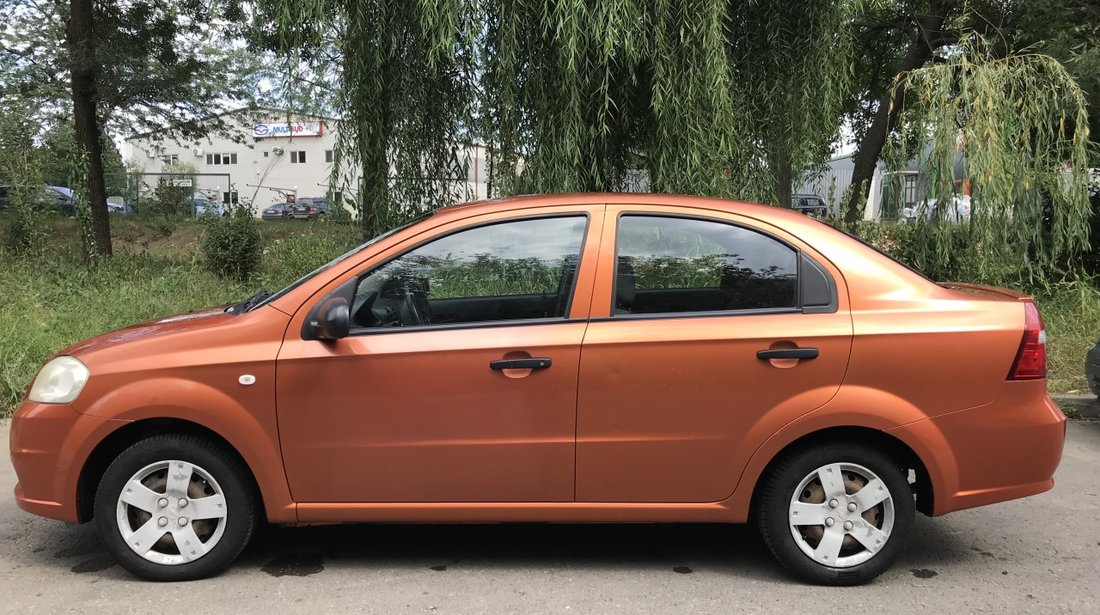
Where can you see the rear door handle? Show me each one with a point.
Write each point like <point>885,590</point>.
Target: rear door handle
<point>787,353</point>
<point>533,363</point>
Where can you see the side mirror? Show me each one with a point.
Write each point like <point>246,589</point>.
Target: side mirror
<point>328,320</point>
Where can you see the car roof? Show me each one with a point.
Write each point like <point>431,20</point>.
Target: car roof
<point>755,210</point>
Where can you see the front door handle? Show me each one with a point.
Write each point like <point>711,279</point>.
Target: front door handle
<point>533,363</point>
<point>787,353</point>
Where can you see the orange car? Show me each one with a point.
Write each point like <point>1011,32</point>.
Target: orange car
<point>582,358</point>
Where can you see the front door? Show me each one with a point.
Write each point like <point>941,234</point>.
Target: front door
<point>459,380</point>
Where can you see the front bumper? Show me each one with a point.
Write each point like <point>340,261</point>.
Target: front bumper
<point>1000,451</point>
<point>49,444</point>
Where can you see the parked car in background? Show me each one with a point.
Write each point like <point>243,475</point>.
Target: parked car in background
<point>205,207</point>
<point>119,207</point>
<point>278,211</point>
<point>810,204</point>
<point>1092,368</point>
<point>309,208</point>
<point>958,209</point>
<point>568,358</point>
<point>50,198</point>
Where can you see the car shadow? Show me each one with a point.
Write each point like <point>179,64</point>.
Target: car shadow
<point>733,550</point>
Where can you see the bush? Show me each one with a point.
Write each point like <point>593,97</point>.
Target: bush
<point>289,258</point>
<point>338,214</point>
<point>28,228</point>
<point>232,246</point>
<point>170,201</point>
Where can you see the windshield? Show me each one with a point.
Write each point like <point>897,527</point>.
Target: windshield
<point>311,274</point>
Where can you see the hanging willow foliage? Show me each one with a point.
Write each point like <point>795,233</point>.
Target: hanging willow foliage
<point>405,93</point>
<point>690,96</point>
<point>1017,128</point>
<point>793,70</point>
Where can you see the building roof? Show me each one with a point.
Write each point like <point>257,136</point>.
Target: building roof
<point>288,112</point>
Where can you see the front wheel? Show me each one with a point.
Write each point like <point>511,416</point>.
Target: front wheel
<point>175,508</point>
<point>836,514</point>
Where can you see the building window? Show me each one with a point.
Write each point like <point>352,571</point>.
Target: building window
<point>170,158</point>
<point>298,157</point>
<point>221,159</point>
<point>230,197</point>
<point>328,155</point>
<point>266,154</point>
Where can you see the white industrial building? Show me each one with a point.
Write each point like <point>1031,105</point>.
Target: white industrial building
<point>264,156</point>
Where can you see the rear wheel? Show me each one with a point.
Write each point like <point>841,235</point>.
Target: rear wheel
<point>836,514</point>
<point>175,508</point>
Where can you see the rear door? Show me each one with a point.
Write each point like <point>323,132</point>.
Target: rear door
<point>691,358</point>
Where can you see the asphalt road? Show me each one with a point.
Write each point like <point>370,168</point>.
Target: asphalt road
<point>1039,555</point>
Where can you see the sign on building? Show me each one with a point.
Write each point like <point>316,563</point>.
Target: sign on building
<point>277,129</point>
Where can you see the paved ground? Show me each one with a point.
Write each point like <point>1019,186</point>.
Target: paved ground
<point>1040,555</point>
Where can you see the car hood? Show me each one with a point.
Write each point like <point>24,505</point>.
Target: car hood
<point>150,330</point>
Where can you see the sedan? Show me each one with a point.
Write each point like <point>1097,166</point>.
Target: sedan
<point>583,358</point>
<point>310,209</point>
<point>278,211</point>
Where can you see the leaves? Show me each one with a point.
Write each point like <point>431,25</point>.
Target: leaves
<point>1001,124</point>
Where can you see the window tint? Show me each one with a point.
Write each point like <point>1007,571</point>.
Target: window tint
<point>689,265</point>
<point>506,271</point>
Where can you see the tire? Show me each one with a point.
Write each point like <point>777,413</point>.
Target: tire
<point>846,547</point>
<point>144,494</point>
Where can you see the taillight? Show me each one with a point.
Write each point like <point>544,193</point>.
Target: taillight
<point>312,210</point>
<point>1031,359</point>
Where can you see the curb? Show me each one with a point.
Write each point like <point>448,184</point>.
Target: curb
<point>1078,406</point>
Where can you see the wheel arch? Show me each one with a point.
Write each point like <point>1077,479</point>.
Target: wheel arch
<point>122,438</point>
<point>896,448</point>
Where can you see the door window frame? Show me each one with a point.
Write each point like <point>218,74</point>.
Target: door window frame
<point>802,260</point>
<point>358,277</point>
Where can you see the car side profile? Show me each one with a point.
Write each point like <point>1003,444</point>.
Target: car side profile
<point>596,358</point>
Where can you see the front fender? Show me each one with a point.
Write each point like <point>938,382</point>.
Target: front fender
<point>250,429</point>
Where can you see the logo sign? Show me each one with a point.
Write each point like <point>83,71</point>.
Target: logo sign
<point>288,129</point>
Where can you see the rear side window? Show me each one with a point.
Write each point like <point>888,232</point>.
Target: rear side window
<point>668,265</point>
<point>517,270</point>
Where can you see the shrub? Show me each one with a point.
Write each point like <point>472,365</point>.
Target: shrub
<point>232,246</point>
<point>289,258</point>
<point>27,230</point>
<point>338,214</point>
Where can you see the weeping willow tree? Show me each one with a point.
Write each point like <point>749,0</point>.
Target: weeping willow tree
<point>793,71</point>
<point>405,92</point>
<point>613,95</point>
<point>1014,129</point>
<point>708,97</point>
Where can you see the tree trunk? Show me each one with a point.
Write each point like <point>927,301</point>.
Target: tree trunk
<point>784,175</point>
<point>870,147</point>
<point>81,42</point>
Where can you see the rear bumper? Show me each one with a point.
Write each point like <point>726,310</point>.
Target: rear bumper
<point>1001,451</point>
<point>49,444</point>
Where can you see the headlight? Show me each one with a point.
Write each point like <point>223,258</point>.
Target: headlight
<point>59,382</point>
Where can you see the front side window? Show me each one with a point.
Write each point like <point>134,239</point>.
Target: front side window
<point>516,270</point>
<point>668,265</point>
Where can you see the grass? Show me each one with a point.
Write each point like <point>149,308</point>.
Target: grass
<point>1072,319</point>
<point>52,301</point>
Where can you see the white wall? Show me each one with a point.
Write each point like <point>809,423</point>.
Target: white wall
<point>265,168</point>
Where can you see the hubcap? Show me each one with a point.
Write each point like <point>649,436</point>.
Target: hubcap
<point>841,515</point>
<point>171,512</point>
